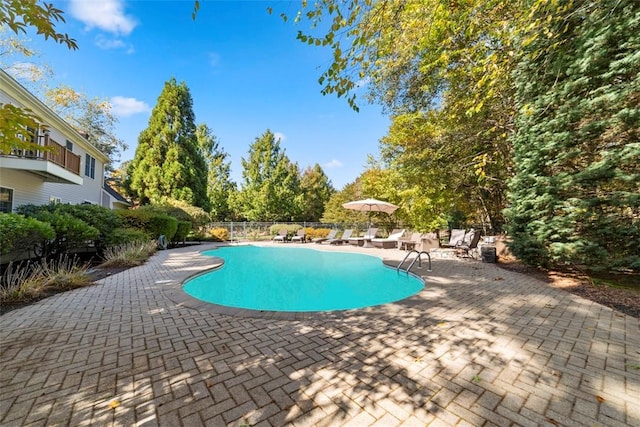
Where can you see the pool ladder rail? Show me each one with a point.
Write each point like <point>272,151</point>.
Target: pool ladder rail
<point>417,258</point>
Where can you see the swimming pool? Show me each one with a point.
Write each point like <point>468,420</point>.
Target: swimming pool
<point>299,280</point>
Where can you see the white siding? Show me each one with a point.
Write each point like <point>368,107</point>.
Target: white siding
<point>27,187</point>
<point>30,188</point>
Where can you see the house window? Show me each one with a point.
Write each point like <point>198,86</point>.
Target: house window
<point>6,200</point>
<point>69,145</point>
<point>53,200</point>
<point>89,166</point>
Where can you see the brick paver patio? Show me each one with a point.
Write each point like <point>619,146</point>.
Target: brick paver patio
<point>478,346</point>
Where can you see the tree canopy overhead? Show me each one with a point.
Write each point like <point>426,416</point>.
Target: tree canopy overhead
<point>441,69</point>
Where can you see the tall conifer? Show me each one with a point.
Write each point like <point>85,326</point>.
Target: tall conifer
<point>575,197</point>
<point>270,190</point>
<point>168,161</point>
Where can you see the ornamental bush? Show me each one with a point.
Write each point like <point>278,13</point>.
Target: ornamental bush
<point>104,220</point>
<point>150,221</point>
<point>219,234</point>
<point>70,232</point>
<point>184,227</point>
<point>19,233</point>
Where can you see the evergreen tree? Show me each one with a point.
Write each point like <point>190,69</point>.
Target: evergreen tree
<point>271,183</point>
<point>219,184</point>
<point>575,197</point>
<point>316,189</point>
<point>168,161</point>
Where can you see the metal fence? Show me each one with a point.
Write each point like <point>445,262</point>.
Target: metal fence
<point>256,231</point>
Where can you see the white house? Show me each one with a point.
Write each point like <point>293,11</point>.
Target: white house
<point>72,173</point>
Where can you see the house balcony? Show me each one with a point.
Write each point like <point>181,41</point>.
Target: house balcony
<point>57,164</point>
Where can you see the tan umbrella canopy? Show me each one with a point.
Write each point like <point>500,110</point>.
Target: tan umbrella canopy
<point>371,205</point>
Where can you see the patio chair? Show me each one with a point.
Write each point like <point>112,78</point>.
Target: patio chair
<point>300,236</point>
<point>455,238</point>
<point>469,243</point>
<point>330,236</point>
<point>281,236</point>
<point>346,235</point>
<point>389,242</point>
<point>411,243</point>
<point>359,241</point>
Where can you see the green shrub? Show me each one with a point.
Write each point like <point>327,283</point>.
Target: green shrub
<point>162,224</point>
<point>184,211</point>
<point>70,232</point>
<point>18,233</point>
<point>120,236</point>
<point>105,220</point>
<point>184,227</point>
<point>219,234</point>
<point>151,221</point>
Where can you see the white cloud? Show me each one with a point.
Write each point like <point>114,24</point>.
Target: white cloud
<point>123,107</point>
<point>108,15</point>
<point>279,136</point>
<point>334,163</point>
<point>106,44</point>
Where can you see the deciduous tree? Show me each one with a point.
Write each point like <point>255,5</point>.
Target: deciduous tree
<point>91,117</point>
<point>18,15</point>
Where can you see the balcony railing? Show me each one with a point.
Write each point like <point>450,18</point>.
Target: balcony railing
<point>58,154</point>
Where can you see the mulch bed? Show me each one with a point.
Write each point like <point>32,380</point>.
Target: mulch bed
<point>625,300</point>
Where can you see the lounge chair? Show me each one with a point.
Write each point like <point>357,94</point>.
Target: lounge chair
<point>300,236</point>
<point>455,238</point>
<point>389,242</point>
<point>411,243</point>
<point>360,241</point>
<point>429,241</point>
<point>330,236</point>
<point>346,235</point>
<point>469,243</point>
<point>281,236</point>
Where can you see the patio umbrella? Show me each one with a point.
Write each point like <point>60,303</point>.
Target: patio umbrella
<point>371,205</point>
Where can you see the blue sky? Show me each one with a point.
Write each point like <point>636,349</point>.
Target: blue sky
<point>245,70</point>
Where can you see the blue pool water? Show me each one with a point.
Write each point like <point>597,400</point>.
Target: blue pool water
<point>299,279</point>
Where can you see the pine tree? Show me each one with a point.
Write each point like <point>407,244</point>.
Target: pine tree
<point>575,197</point>
<point>168,161</point>
<point>270,190</point>
<point>316,189</point>
<point>219,185</point>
